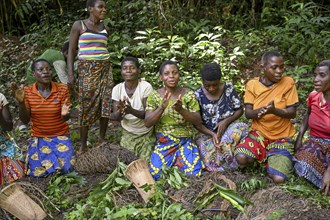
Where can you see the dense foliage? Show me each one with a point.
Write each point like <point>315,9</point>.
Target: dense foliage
<point>233,33</point>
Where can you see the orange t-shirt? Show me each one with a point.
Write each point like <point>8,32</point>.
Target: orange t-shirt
<point>46,112</point>
<point>284,94</point>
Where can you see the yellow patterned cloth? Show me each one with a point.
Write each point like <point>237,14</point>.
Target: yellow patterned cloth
<point>49,155</point>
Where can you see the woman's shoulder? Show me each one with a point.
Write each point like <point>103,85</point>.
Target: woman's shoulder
<point>144,83</point>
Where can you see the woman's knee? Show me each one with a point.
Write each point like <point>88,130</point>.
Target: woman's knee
<point>242,159</point>
<point>277,179</point>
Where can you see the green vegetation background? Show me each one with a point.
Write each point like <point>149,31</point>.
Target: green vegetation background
<point>234,33</point>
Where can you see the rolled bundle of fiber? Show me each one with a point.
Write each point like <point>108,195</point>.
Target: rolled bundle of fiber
<point>103,159</point>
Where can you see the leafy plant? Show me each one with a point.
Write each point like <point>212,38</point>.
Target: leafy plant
<point>233,197</point>
<point>253,184</point>
<point>59,185</point>
<point>303,188</point>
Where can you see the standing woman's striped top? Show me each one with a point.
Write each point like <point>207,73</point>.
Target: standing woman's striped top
<point>93,45</point>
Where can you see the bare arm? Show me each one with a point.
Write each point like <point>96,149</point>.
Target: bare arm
<point>6,121</point>
<point>222,125</point>
<point>250,113</point>
<point>137,113</point>
<point>303,128</point>
<point>23,112</point>
<point>74,36</point>
<point>289,112</point>
<point>153,116</point>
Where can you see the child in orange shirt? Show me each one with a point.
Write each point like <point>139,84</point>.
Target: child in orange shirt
<point>270,101</point>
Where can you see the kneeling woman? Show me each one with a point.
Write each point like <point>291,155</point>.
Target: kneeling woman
<point>47,105</point>
<point>220,107</point>
<point>173,110</point>
<point>11,164</point>
<point>313,157</point>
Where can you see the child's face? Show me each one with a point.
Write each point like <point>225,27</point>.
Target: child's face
<point>212,86</point>
<point>274,69</point>
<point>130,71</point>
<point>322,79</point>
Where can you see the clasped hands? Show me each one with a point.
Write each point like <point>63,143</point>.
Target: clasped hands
<point>269,108</point>
<point>124,106</point>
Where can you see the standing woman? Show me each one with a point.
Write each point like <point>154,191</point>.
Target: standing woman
<point>94,70</point>
<point>174,111</point>
<point>11,165</point>
<point>313,156</point>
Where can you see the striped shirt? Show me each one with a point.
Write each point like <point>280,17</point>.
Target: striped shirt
<point>93,45</point>
<point>46,120</point>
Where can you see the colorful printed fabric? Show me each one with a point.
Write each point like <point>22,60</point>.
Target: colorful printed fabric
<point>214,111</point>
<point>11,166</point>
<point>216,159</point>
<point>49,155</point>
<point>10,170</point>
<point>312,159</point>
<point>175,151</point>
<point>171,122</point>
<point>284,94</point>
<point>141,145</point>
<point>275,154</point>
<point>95,85</point>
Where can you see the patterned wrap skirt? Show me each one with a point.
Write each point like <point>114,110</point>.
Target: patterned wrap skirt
<point>141,145</point>
<point>95,87</point>
<point>276,155</point>
<point>174,151</point>
<point>312,159</point>
<point>49,155</point>
<point>221,159</point>
<point>11,165</point>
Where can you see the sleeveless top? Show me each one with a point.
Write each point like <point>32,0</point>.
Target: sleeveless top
<point>93,45</point>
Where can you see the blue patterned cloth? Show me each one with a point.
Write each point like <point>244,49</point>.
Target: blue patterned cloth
<point>174,151</point>
<point>48,155</point>
<point>214,111</point>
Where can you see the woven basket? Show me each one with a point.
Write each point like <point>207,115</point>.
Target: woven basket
<point>19,204</point>
<point>138,172</point>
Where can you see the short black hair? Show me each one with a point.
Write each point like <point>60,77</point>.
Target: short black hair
<point>167,62</point>
<point>133,59</point>
<point>34,63</point>
<point>266,56</point>
<point>91,3</point>
<point>324,63</point>
<point>211,72</point>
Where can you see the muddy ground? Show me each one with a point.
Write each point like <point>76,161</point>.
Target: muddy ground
<point>267,203</point>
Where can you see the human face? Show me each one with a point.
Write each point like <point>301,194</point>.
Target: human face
<point>322,79</point>
<point>98,10</point>
<point>129,71</point>
<point>212,87</point>
<point>170,76</point>
<point>42,72</point>
<point>273,70</point>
